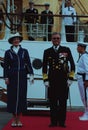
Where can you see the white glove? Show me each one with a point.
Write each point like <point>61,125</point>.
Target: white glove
<point>1,21</point>
<point>31,80</point>
<point>69,82</point>
<point>46,83</point>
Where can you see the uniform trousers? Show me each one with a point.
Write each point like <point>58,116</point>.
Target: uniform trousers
<point>82,92</point>
<point>58,111</point>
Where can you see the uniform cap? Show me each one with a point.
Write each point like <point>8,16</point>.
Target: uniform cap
<point>47,4</point>
<point>12,36</point>
<point>68,0</point>
<point>31,2</point>
<point>82,44</point>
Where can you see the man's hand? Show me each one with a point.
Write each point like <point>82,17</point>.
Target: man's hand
<point>6,81</point>
<point>31,80</point>
<point>69,82</point>
<point>86,83</point>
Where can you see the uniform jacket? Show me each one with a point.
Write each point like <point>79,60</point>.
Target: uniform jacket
<point>15,71</point>
<point>31,18</point>
<point>50,18</point>
<point>82,66</point>
<point>56,69</point>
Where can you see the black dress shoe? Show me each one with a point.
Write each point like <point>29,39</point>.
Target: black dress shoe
<point>52,125</point>
<point>62,125</point>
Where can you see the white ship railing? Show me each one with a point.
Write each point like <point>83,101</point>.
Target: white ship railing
<point>38,30</point>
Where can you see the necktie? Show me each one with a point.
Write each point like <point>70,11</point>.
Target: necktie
<point>79,57</point>
<point>56,49</point>
<point>68,8</point>
<point>47,11</point>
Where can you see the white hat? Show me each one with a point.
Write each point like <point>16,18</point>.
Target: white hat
<point>12,36</point>
<point>82,44</point>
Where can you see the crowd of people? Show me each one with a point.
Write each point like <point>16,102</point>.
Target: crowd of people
<point>47,18</point>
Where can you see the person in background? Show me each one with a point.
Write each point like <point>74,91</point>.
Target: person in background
<point>82,77</point>
<point>69,21</point>
<point>1,19</point>
<point>57,76</point>
<point>48,20</point>
<point>17,65</point>
<point>32,18</point>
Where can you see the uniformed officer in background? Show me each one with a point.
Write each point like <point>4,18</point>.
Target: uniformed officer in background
<point>32,18</point>
<point>1,19</point>
<point>69,21</point>
<point>48,20</point>
<point>56,74</point>
<point>82,77</point>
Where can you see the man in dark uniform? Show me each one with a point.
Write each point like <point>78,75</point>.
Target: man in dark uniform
<point>48,20</point>
<point>56,74</point>
<point>32,18</point>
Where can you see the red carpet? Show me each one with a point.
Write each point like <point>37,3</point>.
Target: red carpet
<point>42,122</point>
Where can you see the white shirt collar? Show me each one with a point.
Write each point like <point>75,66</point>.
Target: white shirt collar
<point>16,49</point>
<point>56,47</point>
<point>31,8</point>
<point>47,11</point>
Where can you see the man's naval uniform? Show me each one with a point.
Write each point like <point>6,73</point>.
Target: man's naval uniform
<point>82,74</point>
<point>32,18</point>
<point>69,23</point>
<point>55,70</point>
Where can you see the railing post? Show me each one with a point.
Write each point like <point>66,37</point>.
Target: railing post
<point>63,33</point>
<point>81,35</point>
<point>7,30</point>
